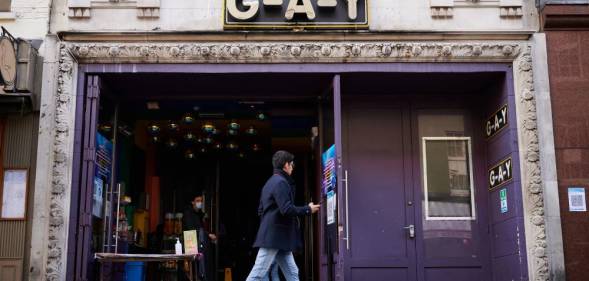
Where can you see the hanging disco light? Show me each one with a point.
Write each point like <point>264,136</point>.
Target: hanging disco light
<point>153,129</point>
<point>261,116</point>
<point>155,139</point>
<point>208,140</point>
<point>187,119</point>
<point>188,154</point>
<point>232,146</point>
<point>173,126</point>
<point>208,127</point>
<point>202,150</point>
<point>241,155</point>
<point>256,147</point>
<point>232,132</point>
<point>189,137</point>
<point>218,146</point>
<point>172,143</point>
<point>233,125</point>
<point>251,131</point>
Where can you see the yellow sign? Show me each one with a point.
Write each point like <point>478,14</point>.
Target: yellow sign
<point>190,242</point>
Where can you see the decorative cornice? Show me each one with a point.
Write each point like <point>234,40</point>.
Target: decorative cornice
<point>298,52</point>
<point>270,52</point>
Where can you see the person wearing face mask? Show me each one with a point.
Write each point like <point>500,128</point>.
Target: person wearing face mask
<point>194,219</point>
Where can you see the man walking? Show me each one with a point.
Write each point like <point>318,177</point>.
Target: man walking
<point>278,234</point>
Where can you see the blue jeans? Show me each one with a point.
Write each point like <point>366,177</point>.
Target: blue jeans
<point>273,273</point>
<point>264,260</point>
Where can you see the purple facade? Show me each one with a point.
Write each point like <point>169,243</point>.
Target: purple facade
<point>379,249</point>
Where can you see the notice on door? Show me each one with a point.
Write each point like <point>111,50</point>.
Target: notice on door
<point>500,173</point>
<point>577,201</point>
<point>331,199</point>
<point>329,182</point>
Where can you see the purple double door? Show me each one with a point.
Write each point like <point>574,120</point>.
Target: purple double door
<point>414,193</point>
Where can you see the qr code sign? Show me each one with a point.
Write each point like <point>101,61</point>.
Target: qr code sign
<point>577,201</point>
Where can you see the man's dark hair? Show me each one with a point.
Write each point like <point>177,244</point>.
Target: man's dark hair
<point>280,158</point>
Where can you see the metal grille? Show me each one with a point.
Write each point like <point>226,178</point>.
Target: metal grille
<point>17,150</point>
<point>12,239</point>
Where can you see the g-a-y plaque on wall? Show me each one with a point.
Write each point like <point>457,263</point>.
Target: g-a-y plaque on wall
<point>293,14</point>
<point>501,173</point>
<point>496,122</point>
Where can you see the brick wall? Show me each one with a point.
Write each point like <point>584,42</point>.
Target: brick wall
<point>568,60</point>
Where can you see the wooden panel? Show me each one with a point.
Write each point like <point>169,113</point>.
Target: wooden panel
<point>11,269</point>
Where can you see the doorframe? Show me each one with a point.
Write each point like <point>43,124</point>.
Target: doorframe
<point>351,57</point>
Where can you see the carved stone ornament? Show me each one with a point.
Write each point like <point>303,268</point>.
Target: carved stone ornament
<point>257,52</point>
<point>300,52</point>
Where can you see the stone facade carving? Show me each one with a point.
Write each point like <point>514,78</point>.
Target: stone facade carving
<point>260,52</point>
<point>533,191</point>
<point>61,168</point>
<point>298,52</point>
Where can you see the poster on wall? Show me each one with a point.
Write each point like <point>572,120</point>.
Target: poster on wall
<point>577,201</point>
<point>329,182</point>
<point>14,194</point>
<point>101,173</point>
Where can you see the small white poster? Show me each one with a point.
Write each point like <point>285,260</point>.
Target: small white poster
<point>577,201</point>
<point>331,207</point>
<point>14,194</point>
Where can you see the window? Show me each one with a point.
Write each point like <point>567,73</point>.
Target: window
<point>448,178</point>
<point>5,5</point>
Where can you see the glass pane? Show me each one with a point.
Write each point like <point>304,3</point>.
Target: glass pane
<point>448,174</point>
<point>448,178</point>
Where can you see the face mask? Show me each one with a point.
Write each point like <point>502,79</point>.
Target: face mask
<point>198,206</point>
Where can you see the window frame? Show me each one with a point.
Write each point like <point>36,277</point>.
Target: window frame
<point>471,178</point>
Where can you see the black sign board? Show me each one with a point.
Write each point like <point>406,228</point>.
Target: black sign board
<point>501,173</point>
<point>292,14</point>
<point>496,122</point>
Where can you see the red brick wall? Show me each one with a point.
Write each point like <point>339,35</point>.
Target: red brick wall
<point>568,62</point>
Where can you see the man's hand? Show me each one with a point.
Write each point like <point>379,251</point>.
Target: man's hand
<point>314,207</point>
<point>213,237</point>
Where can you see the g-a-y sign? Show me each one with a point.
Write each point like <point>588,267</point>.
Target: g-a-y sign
<point>500,173</point>
<point>496,122</point>
<point>290,14</point>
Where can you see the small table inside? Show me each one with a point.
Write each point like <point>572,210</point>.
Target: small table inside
<point>112,257</point>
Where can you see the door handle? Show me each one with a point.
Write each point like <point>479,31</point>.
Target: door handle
<point>410,230</point>
<point>347,238</point>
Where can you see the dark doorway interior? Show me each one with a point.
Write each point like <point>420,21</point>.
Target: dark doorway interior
<point>216,140</point>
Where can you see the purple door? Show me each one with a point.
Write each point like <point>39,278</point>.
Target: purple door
<point>414,199</point>
<point>376,140</point>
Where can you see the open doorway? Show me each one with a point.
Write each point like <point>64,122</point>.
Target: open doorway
<point>159,148</point>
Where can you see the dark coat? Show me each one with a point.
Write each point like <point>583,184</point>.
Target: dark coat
<point>191,219</point>
<point>278,225</point>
